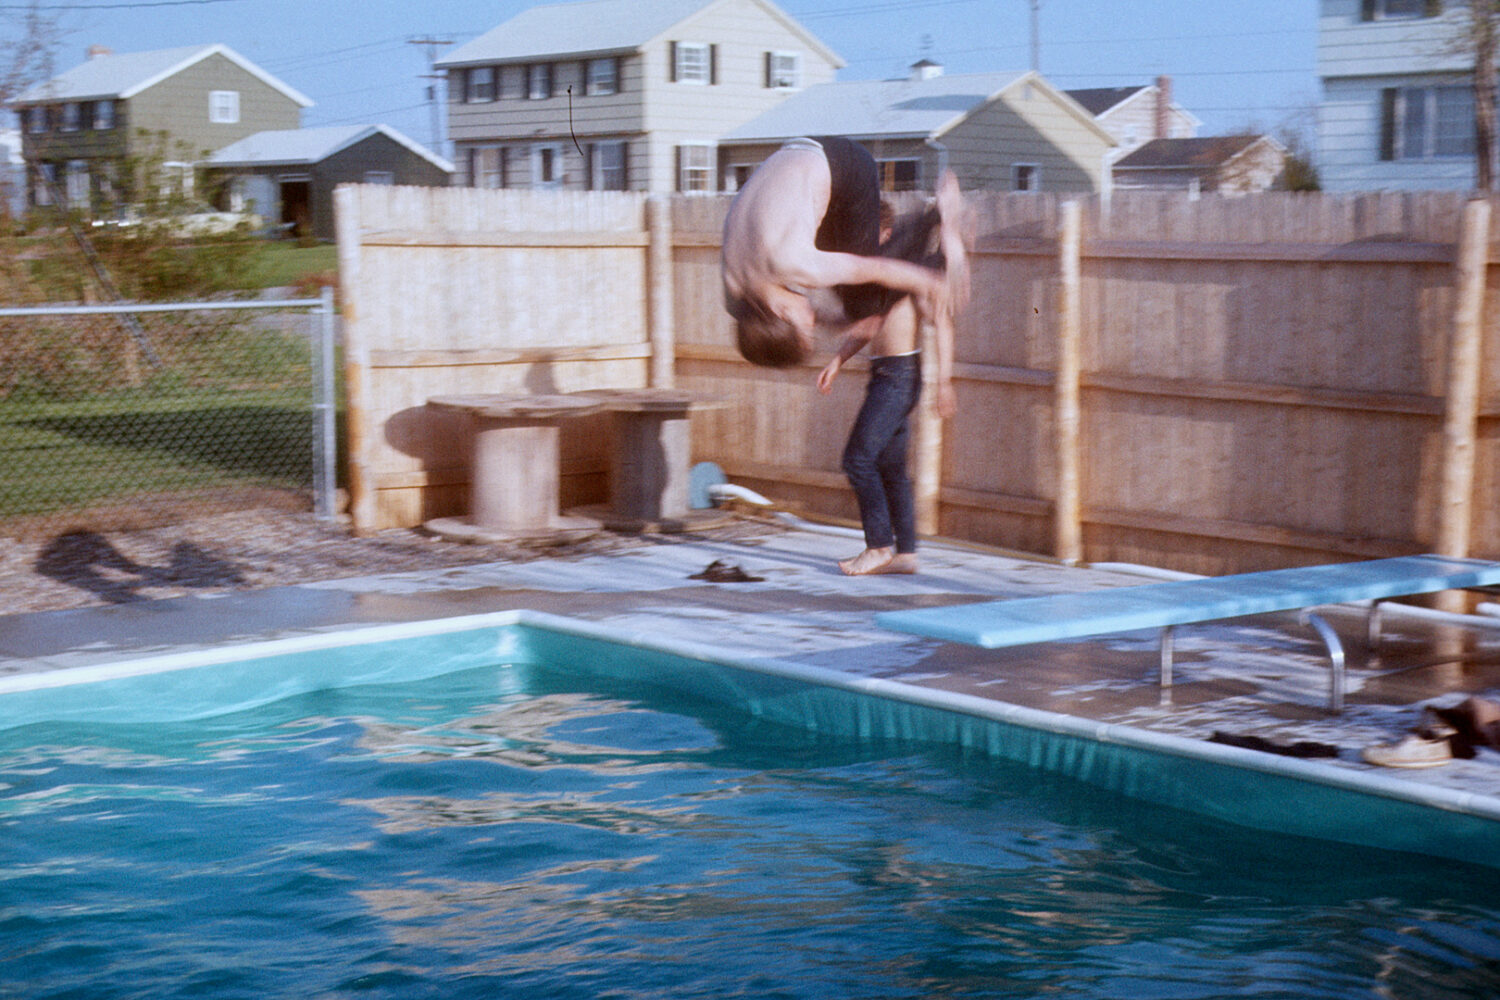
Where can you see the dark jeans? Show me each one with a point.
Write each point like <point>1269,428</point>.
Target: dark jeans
<point>875,457</point>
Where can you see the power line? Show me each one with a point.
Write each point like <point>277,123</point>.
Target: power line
<point>127,5</point>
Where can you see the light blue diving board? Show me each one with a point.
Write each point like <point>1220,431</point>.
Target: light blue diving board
<point>1028,620</point>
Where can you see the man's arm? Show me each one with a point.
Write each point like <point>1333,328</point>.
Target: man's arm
<point>855,339</point>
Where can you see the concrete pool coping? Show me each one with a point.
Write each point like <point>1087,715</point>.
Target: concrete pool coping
<point>1256,677</point>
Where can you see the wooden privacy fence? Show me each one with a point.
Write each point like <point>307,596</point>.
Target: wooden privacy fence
<point>456,291</point>
<point>1216,385</point>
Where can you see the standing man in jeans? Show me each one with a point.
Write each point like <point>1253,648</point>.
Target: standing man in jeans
<point>875,456</point>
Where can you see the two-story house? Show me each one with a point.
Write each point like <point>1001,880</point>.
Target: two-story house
<point>1397,109</point>
<point>1137,115</point>
<point>998,131</point>
<point>621,94</point>
<point>81,128</point>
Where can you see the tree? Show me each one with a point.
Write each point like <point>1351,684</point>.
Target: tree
<point>27,42</point>
<point>1482,31</point>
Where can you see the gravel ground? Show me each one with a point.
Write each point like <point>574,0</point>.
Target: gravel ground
<point>243,550</point>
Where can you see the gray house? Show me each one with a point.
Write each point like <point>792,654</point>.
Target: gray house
<point>621,94</point>
<point>1397,110</point>
<point>1000,131</point>
<point>287,177</point>
<point>82,127</point>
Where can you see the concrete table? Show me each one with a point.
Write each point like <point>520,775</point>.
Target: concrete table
<point>649,464</point>
<point>513,491</point>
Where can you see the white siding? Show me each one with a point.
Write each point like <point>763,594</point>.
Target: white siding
<point>1357,60</point>
<point>651,112</point>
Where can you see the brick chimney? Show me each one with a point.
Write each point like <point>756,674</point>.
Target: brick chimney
<point>95,51</point>
<point>1163,127</point>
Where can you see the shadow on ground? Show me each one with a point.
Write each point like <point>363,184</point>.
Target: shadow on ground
<point>87,560</point>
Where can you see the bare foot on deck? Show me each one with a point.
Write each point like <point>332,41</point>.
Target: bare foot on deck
<point>873,561</point>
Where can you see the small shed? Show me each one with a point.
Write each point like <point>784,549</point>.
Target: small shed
<point>287,177</point>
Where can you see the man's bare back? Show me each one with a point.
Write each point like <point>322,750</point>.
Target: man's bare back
<point>771,261</point>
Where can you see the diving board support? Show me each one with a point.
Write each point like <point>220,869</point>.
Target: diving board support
<point>1168,633</point>
<point>1315,621</point>
<point>1335,659</point>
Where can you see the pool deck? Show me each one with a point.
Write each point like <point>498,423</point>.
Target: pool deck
<point>1264,677</point>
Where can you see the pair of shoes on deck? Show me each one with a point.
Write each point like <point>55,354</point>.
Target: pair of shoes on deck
<point>1412,750</point>
<point>1430,744</point>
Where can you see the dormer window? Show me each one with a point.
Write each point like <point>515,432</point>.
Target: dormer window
<point>224,107</point>
<point>690,62</point>
<point>783,70</point>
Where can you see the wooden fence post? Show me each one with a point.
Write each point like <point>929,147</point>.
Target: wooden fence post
<point>927,484</point>
<point>659,291</point>
<point>1461,405</point>
<point>1067,513</point>
<point>356,361</point>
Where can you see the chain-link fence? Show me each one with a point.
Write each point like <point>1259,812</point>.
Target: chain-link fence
<point>128,416</point>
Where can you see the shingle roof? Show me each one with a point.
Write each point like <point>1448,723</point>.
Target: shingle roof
<point>1187,154</point>
<point>1100,99</point>
<point>127,74</point>
<point>308,145</point>
<point>868,108</point>
<point>570,29</point>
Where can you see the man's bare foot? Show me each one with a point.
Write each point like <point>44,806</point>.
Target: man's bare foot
<point>867,562</point>
<point>902,562</point>
<point>873,561</point>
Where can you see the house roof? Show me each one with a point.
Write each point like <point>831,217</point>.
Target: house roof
<point>904,108</point>
<point>595,26</point>
<point>1189,154</point>
<point>304,146</point>
<point>127,74</point>
<point>1100,99</point>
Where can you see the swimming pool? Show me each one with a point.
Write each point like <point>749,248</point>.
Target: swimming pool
<point>512,806</point>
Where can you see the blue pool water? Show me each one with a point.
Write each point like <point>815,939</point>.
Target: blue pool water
<point>519,831</point>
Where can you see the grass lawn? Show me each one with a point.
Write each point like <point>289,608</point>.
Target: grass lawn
<point>285,263</point>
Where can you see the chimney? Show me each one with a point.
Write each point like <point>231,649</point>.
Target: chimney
<point>1163,108</point>
<point>95,51</point>
<point>926,69</point>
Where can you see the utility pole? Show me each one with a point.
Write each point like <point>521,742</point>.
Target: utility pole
<point>1036,36</point>
<point>432,76</point>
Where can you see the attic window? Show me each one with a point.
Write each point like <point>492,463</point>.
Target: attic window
<point>224,107</point>
<point>690,62</point>
<point>783,70</point>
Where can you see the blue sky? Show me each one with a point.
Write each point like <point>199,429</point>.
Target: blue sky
<point>1234,63</point>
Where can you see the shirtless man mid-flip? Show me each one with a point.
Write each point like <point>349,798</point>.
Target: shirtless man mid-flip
<point>802,251</point>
